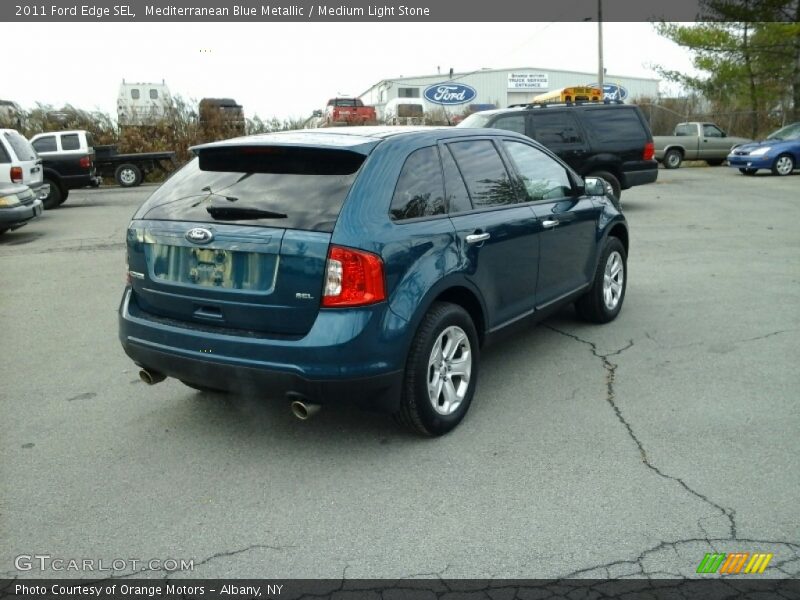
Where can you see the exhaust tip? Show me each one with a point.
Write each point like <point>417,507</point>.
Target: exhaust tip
<point>151,377</point>
<point>303,410</point>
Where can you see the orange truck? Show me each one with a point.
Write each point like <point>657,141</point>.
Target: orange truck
<point>349,111</point>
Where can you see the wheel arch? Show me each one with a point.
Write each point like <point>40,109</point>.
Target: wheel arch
<point>618,230</point>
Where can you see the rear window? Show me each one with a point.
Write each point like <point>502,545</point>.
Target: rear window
<point>302,188</point>
<point>615,126</point>
<point>22,147</point>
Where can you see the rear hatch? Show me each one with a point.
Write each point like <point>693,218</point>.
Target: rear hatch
<point>238,239</point>
<point>27,168</point>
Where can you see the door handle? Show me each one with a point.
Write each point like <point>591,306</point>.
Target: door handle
<point>548,223</point>
<point>475,238</point>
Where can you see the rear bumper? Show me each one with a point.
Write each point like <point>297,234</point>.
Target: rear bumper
<point>17,216</point>
<point>633,178</point>
<point>345,357</point>
<point>73,182</point>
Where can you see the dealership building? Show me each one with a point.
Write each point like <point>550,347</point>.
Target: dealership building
<point>501,87</point>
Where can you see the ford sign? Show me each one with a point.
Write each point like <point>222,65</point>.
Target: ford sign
<point>199,235</point>
<point>449,94</point>
<point>612,91</point>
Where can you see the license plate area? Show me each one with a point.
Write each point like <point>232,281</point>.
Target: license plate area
<point>216,268</point>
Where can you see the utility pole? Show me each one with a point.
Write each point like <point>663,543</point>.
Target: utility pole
<point>600,69</point>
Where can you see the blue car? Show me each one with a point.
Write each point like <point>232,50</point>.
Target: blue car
<point>780,153</point>
<point>368,265</point>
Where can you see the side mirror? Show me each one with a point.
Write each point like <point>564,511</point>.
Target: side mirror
<point>595,186</point>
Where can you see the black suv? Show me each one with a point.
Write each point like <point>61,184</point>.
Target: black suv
<point>609,141</point>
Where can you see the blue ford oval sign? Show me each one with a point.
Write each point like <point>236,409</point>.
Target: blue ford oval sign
<point>612,91</point>
<point>449,94</point>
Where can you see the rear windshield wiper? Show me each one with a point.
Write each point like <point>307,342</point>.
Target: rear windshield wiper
<point>235,213</point>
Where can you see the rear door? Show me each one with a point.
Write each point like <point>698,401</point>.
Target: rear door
<point>238,239</point>
<point>560,132</point>
<point>568,238</point>
<point>496,235</point>
<point>24,158</point>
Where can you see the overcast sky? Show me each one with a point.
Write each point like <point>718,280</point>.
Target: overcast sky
<point>290,69</point>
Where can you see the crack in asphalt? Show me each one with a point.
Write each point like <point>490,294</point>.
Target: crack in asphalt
<point>737,341</point>
<point>610,369</point>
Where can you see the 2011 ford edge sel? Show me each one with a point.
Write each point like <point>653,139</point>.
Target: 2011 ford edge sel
<point>370,264</point>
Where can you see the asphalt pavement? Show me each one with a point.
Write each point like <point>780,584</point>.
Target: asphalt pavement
<point>629,449</point>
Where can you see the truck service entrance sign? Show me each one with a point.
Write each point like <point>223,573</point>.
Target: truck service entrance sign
<point>528,82</point>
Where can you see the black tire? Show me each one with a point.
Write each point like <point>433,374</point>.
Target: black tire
<point>591,306</point>
<point>784,165</point>
<point>673,158</point>
<point>202,388</point>
<point>750,172</point>
<point>613,184</point>
<point>56,196</point>
<point>416,408</point>
<point>714,163</point>
<point>64,196</point>
<point>128,175</point>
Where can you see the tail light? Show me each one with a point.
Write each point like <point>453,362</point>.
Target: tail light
<point>649,151</point>
<point>16,174</point>
<point>352,278</point>
<point>85,162</point>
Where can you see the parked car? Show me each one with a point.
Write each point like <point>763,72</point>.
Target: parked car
<point>68,163</point>
<point>780,153</point>
<point>609,141</point>
<point>20,164</point>
<point>695,141</point>
<point>18,205</point>
<point>369,264</point>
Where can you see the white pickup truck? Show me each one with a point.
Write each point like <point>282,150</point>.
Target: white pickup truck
<point>695,141</point>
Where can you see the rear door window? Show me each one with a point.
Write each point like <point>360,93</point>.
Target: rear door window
<point>455,189</point>
<point>269,186</point>
<point>420,188</point>
<point>615,126</point>
<point>684,130</point>
<point>70,141</point>
<point>45,144</point>
<point>484,173</point>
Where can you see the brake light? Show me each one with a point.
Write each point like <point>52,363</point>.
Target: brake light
<point>649,151</point>
<point>85,162</point>
<point>352,278</point>
<point>16,174</point>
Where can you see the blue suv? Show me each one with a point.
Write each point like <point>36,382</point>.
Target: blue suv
<point>366,264</point>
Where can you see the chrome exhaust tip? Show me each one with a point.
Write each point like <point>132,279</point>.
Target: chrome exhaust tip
<point>304,410</point>
<point>151,377</point>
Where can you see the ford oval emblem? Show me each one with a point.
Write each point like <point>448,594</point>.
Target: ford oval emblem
<point>199,235</point>
<point>450,94</point>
